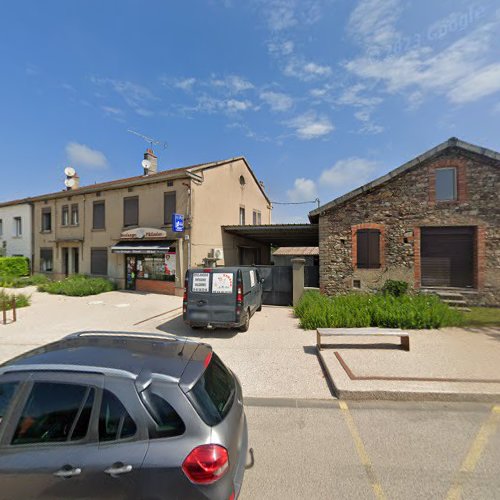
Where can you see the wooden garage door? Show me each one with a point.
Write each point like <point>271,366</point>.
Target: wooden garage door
<point>447,256</point>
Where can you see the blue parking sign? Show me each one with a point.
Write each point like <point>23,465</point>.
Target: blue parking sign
<point>177,223</point>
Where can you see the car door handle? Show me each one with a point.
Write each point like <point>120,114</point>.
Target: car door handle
<point>118,468</point>
<point>68,471</point>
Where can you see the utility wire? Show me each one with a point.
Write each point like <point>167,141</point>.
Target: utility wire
<point>295,202</point>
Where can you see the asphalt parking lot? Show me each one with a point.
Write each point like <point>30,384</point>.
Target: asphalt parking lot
<point>393,450</point>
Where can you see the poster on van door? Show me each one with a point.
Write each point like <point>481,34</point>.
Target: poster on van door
<point>200,282</point>
<point>222,283</point>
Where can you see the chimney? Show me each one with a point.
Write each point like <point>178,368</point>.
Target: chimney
<point>153,159</point>
<point>76,185</point>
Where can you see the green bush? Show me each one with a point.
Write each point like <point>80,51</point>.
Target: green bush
<point>361,310</point>
<point>395,288</point>
<point>77,285</point>
<point>14,266</point>
<point>22,300</point>
<point>22,281</point>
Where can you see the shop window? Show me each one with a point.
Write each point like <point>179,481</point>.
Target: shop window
<point>368,248</point>
<point>18,227</point>
<point>74,215</point>
<point>46,219</point>
<point>169,206</point>
<point>99,261</point>
<point>131,211</point>
<point>46,260</point>
<point>446,184</point>
<point>65,215</point>
<point>99,215</point>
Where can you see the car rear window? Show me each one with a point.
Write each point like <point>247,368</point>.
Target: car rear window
<point>168,421</point>
<point>213,394</point>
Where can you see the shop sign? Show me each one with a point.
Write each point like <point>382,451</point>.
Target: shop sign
<point>142,233</point>
<point>177,223</point>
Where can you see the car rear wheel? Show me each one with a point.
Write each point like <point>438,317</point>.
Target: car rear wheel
<point>244,327</point>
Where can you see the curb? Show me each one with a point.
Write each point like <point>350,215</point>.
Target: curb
<point>372,395</point>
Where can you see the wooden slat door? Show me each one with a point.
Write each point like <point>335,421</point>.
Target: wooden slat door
<point>447,256</point>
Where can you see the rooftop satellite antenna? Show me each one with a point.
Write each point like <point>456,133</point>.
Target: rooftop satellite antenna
<point>150,140</point>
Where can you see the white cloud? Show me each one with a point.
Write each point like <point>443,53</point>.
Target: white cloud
<point>185,84</point>
<point>281,15</point>
<point>306,71</point>
<point>422,70</point>
<point>372,23</point>
<point>110,110</point>
<point>351,96</point>
<point>477,85</point>
<point>233,83</point>
<point>280,47</point>
<point>368,127</point>
<point>237,105</point>
<point>348,173</point>
<point>209,104</point>
<point>136,96</point>
<point>277,101</point>
<point>310,125</point>
<point>303,190</point>
<point>83,156</point>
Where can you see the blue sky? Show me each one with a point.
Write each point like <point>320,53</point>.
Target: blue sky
<point>321,96</point>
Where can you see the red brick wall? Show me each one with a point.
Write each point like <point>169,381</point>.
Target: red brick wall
<point>354,240</point>
<point>164,287</point>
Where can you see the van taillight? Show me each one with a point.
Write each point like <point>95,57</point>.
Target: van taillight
<point>239,295</point>
<point>206,464</point>
<point>185,296</point>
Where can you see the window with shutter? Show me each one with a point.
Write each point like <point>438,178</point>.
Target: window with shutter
<point>99,261</point>
<point>131,211</point>
<point>46,260</point>
<point>99,215</point>
<point>169,206</point>
<point>368,248</point>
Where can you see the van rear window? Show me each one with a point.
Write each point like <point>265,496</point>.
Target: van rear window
<point>213,394</point>
<point>222,282</point>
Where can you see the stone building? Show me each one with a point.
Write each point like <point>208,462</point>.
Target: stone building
<point>433,222</point>
<point>123,229</point>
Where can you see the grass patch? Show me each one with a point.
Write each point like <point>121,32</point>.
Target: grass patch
<point>362,310</point>
<point>482,316</point>
<point>77,286</point>
<point>22,300</point>
<point>23,281</point>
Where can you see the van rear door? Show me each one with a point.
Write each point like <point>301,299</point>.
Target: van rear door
<point>211,296</point>
<point>223,296</point>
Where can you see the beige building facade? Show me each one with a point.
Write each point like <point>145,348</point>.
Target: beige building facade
<point>123,229</point>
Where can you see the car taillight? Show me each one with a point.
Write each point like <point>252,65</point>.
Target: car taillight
<point>208,358</point>
<point>206,464</point>
<point>239,294</point>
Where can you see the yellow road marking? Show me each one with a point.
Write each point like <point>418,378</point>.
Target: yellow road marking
<point>361,450</point>
<point>474,453</point>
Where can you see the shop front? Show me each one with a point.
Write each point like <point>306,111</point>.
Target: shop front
<point>149,260</point>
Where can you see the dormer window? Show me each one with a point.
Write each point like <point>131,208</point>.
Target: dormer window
<point>446,184</point>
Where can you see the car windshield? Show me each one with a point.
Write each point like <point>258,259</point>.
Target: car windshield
<point>213,394</point>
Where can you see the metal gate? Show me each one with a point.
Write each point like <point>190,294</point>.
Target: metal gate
<point>277,286</point>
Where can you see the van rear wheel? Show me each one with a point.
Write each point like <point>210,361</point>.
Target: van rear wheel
<point>244,327</point>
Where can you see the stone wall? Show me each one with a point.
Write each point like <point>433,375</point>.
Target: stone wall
<point>403,205</point>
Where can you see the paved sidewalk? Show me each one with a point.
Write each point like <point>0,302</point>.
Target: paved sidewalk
<point>274,358</point>
<point>452,364</point>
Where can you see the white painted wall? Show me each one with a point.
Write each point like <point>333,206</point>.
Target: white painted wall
<point>16,245</point>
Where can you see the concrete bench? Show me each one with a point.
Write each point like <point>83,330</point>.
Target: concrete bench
<point>363,332</point>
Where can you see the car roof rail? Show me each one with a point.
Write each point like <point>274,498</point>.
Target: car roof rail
<point>142,335</point>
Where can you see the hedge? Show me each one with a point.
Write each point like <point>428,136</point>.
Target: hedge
<point>77,285</point>
<point>14,266</point>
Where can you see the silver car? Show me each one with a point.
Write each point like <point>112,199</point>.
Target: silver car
<point>121,415</point>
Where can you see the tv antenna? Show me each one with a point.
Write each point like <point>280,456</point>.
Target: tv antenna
<point>150,140</point>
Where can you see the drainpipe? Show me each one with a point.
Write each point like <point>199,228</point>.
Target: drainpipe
<point>188,218</point>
